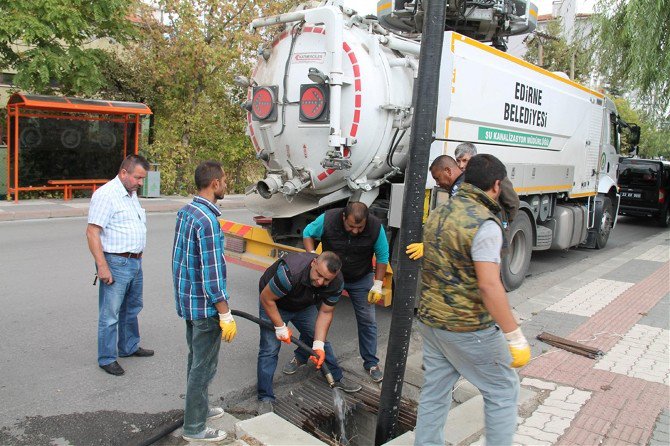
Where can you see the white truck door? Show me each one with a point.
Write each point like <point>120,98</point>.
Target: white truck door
<point>592,147</point>
<point>609,156</point>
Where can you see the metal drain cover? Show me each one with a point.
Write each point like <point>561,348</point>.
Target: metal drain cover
<point>310,407</point>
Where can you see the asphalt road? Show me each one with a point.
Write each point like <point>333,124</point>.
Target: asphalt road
<point>51,386</point>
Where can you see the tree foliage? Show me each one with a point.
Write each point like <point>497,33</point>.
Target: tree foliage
<point>654,141</point>
<point>183,66</point>
<point>51,42</point>
<point>557,53</point>
<point>633,47</point>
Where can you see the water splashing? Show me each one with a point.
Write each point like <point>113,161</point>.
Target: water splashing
<point>340,406</point>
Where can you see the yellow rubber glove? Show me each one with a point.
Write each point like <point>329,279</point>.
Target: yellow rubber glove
<point>415,251</point>
<point>228,326</point>
<point>318,347</point>
<point>518,347</point>
<point>375,293</point>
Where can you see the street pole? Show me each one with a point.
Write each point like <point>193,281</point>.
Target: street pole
<point>407,271</point>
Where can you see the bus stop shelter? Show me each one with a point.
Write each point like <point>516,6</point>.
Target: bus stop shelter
<point>61,143</point>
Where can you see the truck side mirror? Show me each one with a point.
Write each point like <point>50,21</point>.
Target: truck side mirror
<point>634,138</point>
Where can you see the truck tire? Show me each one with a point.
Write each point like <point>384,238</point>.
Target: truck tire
<point>604,224</point>
<point>514,265</point>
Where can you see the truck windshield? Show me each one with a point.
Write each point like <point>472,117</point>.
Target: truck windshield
<point>638,174</point>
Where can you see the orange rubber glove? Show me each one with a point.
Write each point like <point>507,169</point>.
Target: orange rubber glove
<point>283,333</point>
<point>318,348</point>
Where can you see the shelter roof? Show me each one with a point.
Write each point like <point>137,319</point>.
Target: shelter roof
<point>77,105</point>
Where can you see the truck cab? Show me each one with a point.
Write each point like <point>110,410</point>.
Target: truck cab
<point>644,185</point>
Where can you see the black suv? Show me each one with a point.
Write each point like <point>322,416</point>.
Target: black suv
<point>644,186</point>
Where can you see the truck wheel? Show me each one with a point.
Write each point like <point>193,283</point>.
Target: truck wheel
<point>604,224</point>
<point>514,265</point>
<point>664,217</point>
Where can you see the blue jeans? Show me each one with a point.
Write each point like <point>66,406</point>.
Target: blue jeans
<point>118,305</point>
<point>203,337</point>
<point>482,357</point>
<point>268,350</point>
<point>365,319</point>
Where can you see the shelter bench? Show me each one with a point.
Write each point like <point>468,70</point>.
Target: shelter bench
<point>70,185</point>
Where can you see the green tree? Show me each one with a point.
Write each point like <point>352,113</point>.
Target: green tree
<point>633,48</point>
<point>557,53</point>
<point>653,140</point>
<point>49,42</point>
<point>183,66</point>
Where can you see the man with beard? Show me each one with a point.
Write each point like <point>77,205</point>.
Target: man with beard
<point>199,274</point>
<point>301,288</point>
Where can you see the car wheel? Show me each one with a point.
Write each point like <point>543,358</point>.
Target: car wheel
<point>664,217</point>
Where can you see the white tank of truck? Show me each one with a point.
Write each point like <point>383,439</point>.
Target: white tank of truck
<point>329,114</point>
<point>327,104</point>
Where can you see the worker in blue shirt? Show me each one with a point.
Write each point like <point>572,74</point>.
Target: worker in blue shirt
<point>355,236</point>
<point>199,277</point>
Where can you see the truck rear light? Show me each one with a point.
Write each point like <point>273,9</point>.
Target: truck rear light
<point>262,220</point>
<point>263,104</point>
<point>661,195</point>
<point>314,103</point>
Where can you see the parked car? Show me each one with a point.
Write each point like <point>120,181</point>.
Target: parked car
<point>644,186</point>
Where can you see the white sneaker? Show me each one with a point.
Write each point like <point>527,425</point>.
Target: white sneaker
<point>208,434</point>
<point>215,412</point>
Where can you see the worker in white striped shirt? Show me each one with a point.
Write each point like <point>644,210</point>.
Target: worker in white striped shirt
<point>116,234</point>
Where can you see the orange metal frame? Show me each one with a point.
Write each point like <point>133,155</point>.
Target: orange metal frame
<point>70,185</point>
<point>21,105</point>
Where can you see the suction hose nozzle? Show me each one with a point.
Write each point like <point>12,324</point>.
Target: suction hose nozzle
<point>266,324</point>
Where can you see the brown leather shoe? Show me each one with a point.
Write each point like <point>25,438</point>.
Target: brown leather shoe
<point>143,352</point>
<point>113,368</point>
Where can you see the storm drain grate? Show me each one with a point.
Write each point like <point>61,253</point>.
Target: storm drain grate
<point>310,407</point>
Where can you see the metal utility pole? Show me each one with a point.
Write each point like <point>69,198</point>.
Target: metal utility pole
<point>406,274</point>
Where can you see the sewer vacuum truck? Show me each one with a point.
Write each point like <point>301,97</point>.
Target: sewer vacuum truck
<point>330,111</point>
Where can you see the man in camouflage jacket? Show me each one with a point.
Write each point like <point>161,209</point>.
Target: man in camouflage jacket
<point>467,326</point>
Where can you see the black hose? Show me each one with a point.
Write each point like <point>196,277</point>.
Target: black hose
<point>296,341</point>
<point>166,429</point>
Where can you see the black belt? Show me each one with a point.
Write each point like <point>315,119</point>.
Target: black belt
<point>130,255</point>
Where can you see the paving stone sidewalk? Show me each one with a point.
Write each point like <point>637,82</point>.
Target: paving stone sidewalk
<point>621,308</point>
<point>58,208</point>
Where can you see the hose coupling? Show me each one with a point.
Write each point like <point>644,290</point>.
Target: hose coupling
<point>330,379</point>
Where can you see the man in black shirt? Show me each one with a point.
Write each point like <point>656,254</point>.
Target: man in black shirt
<point>301,288</point>
<point>355,235</point>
